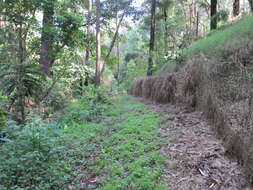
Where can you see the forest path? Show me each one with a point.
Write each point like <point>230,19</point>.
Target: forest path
<point>195,158</point>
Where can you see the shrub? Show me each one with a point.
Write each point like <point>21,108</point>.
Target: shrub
<point>33,158</point>
<point>3,114</point>
<point>89,107</point>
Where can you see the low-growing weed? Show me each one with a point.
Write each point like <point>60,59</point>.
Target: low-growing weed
<point>121,151</point>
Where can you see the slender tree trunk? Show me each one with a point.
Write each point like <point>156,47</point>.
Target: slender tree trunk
<point>213,25</point>
<point>46,50</point>
<point>113,42</point>
<point>117,52</point>
<point>152,40</point>
<point>118,69</point>
<point>20,85</point>
<point>236,8</point>
<point>191,17</point>
<point>197,25</point>
<point>165,16</point>
<point>251,5</point>
<point>98,44</point>
<point>87,52</point>
<point>115,35</point>
<point>88,48</point>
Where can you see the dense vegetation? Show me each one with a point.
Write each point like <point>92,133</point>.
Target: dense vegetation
<point>60,155</point>
<point>66,67</point>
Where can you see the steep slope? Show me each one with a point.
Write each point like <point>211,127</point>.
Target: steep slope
<point>216,78</point>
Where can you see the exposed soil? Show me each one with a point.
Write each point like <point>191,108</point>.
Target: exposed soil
<point>196,159</point>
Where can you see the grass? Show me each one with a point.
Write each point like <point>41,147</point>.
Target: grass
<point>120,150</point>
<point>123,150</point>
<point>221,43</point>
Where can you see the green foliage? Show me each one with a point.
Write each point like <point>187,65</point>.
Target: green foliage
<point>130,56</point>
<point>3,114</point>
<point>67,30</point>
<point>134,68</point>
<point>33,158</point>
<point>221,15</point>
<point>25,76</point>
<point>3,117</point>
<point>129,159</point>
<point>121,151</point>
<point>222,42</point>
<point>89,107</point>
<point>18,12</point>
<point>19,81</point>
<point>113,62</point>
<point>58,98</point>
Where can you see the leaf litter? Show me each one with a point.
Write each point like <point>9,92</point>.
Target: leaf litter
<point>196,159</point>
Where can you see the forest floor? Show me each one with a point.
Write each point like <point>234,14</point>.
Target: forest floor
<point>195,158</point>
<point>141,145</point>
<point>123,150</point>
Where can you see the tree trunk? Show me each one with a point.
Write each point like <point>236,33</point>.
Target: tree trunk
<point>46,50</point>
<point>152,39</point>
<point>197,25</point>
<point>20,83</point>
<point>115,35</point>
<point>236,8</point>
<point>117,52</point>
<point>251,5</point>
<point>88,48</point>
<point>213,25</point>
<point>98,44</point>
<point>113,42</point>
<point>165,16</point>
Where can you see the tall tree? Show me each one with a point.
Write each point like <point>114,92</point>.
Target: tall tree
<point>88,48</point>
<point>251,5</point>
<point>236,7</point>
<point>213,25</point>
<point>117,6</point>
<point>89,36</point>
<point>152,39</point>
<point>98,44</point>
<point>165,5</point>
<point>47,37</point>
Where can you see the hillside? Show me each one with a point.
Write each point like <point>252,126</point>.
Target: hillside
<point>215,78</point>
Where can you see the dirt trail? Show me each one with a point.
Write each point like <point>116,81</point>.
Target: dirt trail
<point>196,159</point>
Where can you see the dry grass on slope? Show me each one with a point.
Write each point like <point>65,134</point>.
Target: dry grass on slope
<point>160,89</point>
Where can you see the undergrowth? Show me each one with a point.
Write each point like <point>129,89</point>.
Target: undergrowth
<point>121,151</point>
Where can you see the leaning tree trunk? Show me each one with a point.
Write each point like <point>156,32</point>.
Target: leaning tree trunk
<point>152,39</point>
<point>251,5</point>
<point>46,50</point>
<point>114,39</point>
<point>98,44</point>
<point>236,8</point>
<point>213,25</point>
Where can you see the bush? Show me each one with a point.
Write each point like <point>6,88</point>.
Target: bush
<point>3,114</point>
<point>33,158</point>
<point>58,98</point>
<point>89,107</point>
